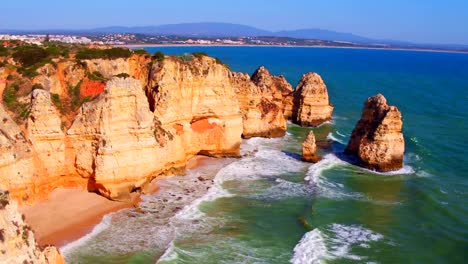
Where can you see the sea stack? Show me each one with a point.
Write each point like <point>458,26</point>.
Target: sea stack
<point>377,139</point>
<point>311,106</point>
<point>309,149</point>
<point>261,114</point>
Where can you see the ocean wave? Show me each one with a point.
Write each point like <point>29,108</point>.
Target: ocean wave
<point>285,189</point>
<point>331,137</point>
<point>103,225</point>
<point>336,241</point>
<point>311,249</point>
<point>344,237</point>
<point>340,134</point>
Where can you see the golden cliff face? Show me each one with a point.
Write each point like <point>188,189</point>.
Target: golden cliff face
<point>17,242</point>
<point>196,103</point>
<point>377,139</point>
<point>262,115</point>
<point>311,103</point>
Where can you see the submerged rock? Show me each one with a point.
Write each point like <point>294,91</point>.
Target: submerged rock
<point>311,106</point>
<point>309,149</point>
<point>377,139</point>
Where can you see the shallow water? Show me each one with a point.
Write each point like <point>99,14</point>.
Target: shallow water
<point>269,207</point>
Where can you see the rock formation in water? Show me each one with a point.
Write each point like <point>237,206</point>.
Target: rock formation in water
<point>309,149</point>
<point>262,114</point>
<point>276,88</point>
<point>73,123</point>
<point>377,139</point>
<point>17,243</point>
<point>311,106</point>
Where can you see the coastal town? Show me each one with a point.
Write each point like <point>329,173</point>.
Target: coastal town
<point>142,39</point>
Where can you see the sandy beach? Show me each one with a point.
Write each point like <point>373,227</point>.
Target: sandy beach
<point>68,214</point>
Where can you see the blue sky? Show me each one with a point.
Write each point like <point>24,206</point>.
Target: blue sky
<point>425,21</point>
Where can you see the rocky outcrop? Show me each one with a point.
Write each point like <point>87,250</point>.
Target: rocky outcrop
<point>17,243</point>
<point>377,139</point>
<point>309,149</point>
<point>277,89</point>
<point>195,100</point>
<point>261,115</point>
<point>311,106</point>
<point>116,140</point>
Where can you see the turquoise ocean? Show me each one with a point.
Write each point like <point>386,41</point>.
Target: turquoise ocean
<point>270,207</point>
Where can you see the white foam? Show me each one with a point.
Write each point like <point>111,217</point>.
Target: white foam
<point>169,255</point>
<point>340,134</point>
<point>103,225</point>
<point>315,170</point>
<point>344,237</point>
<point>330,136</point>
<point>311,249</point>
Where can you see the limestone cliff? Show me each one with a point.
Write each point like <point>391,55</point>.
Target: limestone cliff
<point>309,149</point>
<point>17,243</point>
<point>262,117</point>
<point>276,88</point>
<point>377,139</point>
<point>195,101</point>
<point>311,103</point>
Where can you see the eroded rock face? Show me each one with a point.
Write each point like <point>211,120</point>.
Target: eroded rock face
<point>309,149</point>
<point>195,101</point>
<point>17,243</point>
<point>16,158</point>
<point>377,139</point>
<point>262,117</point>
<point>116,140</point>
<point>311,106</point>
<point>276,88</point>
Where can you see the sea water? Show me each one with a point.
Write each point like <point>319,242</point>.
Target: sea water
<point>270,207</point>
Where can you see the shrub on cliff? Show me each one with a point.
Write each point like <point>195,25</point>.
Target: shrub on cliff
<point>122,75</point>
<point>113,53</point>
<point>3,51</point>
<point>199,55</point>
<point>158,56</point>
<point>186,57</point>
<point>10,98</point>
<point>29,55</point>
<point>96,76</point>
<point>141,52</point>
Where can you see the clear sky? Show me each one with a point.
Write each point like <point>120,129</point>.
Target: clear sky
<point>424,21</point>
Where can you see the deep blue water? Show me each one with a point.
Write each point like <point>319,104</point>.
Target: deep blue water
<point>417,215</point>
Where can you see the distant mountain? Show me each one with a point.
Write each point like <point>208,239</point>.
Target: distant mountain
<point>206,29</point>
<point>323,34</point>
<point>211,29</point>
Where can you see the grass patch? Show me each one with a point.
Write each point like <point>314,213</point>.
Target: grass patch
<point>141,52</point>
<point>122,75</point>
<point>199,55</point>
<point>10,98</point>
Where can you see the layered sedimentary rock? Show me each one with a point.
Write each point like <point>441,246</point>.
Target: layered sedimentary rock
<point>195,101</point>
<point>377,139</point>
<point>16,158</point>
<point>262,117</point>
<point>116,140</point>
<point>276,88</point>
<point>311,104</point>
<point>17,243</point>
<point>309,149</point>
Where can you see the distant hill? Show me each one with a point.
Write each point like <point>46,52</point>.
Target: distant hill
<point>206,29</point>
<point>211,29</point>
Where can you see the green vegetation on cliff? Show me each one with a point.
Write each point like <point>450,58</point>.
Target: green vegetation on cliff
<point>112,53</point>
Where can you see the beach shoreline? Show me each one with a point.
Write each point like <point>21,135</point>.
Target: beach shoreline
<point>68,214</point>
